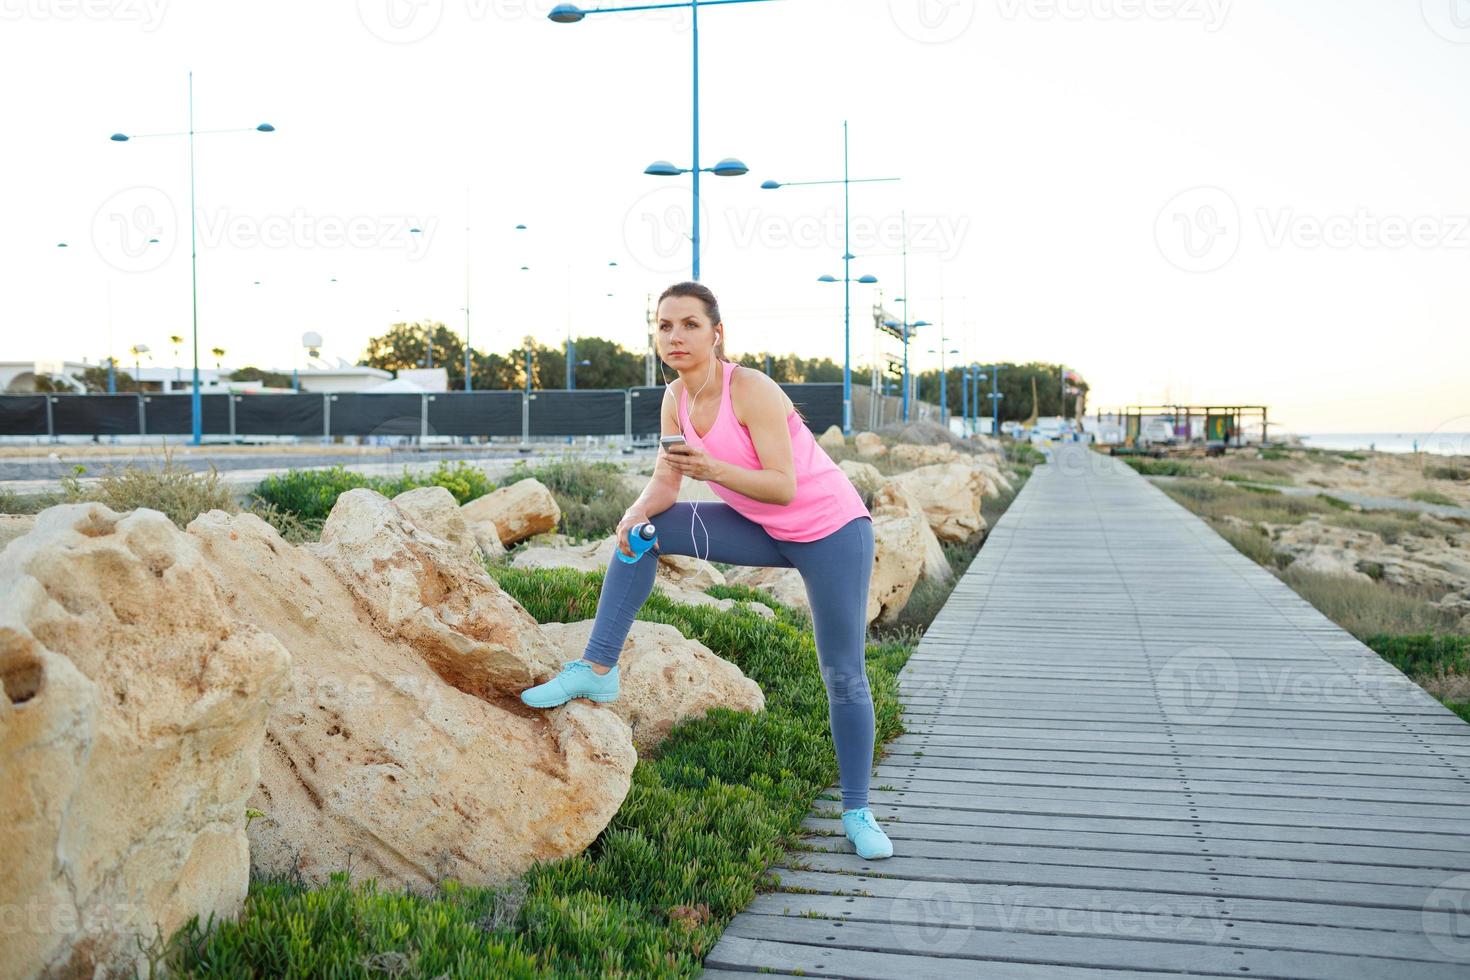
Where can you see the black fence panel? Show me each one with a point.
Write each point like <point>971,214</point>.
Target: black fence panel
<point>85,415</point>
<point>167,415</point>
<point>22,415</point>
<point>279,415</point>
<point>366,414</point>
<point>647,405</point>
<point>553,412</point>
<point>596,412</point>
<point>819,401</point>
<point>474,413</point>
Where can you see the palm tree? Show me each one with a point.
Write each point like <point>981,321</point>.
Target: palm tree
<point>219,354</point>
<point>177,342</point>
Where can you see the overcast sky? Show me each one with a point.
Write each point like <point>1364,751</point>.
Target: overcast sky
<point>1195,200</point>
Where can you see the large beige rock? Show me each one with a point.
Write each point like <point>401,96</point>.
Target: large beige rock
<point>518,511</point>
<point>134,709</point>
<point>784,585</point>
<point>898,561</point>
<point>664,678</point>
<point>869,444</point>
<point>995,480</point>
<point>921,455</point>
<point>1435,561</point>
<point>988,444</point>
<point>950,494</point>
<point>417,587</point>
<point>892,500</point>
<point>435,510</point>
<point>864,477</point>
<point>386,753</point>
<point>832,438</point>
<point>13,526</point>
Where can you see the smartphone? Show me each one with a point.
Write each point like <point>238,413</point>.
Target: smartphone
<point>669,442</point>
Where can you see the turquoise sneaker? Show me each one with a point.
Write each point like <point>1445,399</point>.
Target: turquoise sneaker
<point>866,836</point>
<point>576,680</point>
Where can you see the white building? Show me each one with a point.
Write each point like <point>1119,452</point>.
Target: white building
<point>18,377</point>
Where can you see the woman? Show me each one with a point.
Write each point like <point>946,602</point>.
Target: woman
<point>787,505</point>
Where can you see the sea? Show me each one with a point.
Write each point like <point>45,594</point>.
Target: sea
<point>1442,443</point>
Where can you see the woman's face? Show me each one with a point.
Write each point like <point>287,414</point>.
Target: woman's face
<point>686,338</point>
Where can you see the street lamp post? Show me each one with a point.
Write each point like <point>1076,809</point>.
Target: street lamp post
<point>570,13</point>
<point>196,404</point>
<point>995,397</point>
<point>943,390</point>
<point>847,280</point>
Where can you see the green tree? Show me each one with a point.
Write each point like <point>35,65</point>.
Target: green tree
<point>271,379</point>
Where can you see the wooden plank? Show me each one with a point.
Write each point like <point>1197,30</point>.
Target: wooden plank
<point>1131,751</point>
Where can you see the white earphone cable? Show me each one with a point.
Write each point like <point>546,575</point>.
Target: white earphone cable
<point>694,504</point>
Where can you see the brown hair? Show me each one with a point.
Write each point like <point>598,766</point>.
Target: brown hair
<point>712,308</point>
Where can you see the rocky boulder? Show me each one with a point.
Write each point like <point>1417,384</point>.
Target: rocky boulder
<point>832,438</point>
<point>892,500</point>
<point>869,444</point>
<point>516,512</point>
<point>13,526</point>
<point>402,746</point>
<point>915,454</point>
<point>864,477</point>
<point>663,678</point>
<point>419,588</point>
<point>134,708</point>
<point>950,494</point>
<point>434,509</point>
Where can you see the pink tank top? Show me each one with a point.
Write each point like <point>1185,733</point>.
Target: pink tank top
<point>825,498</point>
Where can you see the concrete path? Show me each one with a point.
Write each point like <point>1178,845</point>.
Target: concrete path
<point>1132,752</point>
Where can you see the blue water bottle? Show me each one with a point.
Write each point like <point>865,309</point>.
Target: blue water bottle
<point>640,539</point>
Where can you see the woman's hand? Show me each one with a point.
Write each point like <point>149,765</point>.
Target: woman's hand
<point>631,520</point>
<point>694,463</point>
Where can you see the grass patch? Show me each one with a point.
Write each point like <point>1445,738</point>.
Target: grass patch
<point>1213,499</point>
<point>181,494</point>
<point>1148,466</point>
<point>27,503</point>
<point>1432,497</point>
<point>1447,471</point>
<point>1437,662</point>
<point>1368,608</point>
<point>307,496</point>
<point>1249,541</point>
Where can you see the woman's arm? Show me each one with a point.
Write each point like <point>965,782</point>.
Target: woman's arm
<point>663,486</point>
<point>764,409</point>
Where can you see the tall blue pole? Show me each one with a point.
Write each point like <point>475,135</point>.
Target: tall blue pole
<point>694,21</point>
<point>195,403</point>
<point>965,399</point>
<point>995,397</point>
<point>904,218</point>
<point>846,295</point>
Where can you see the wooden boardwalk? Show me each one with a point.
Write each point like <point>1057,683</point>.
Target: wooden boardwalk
<point>1132,752</point>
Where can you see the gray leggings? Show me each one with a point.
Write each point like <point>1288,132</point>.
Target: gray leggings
<point>836,570</point>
